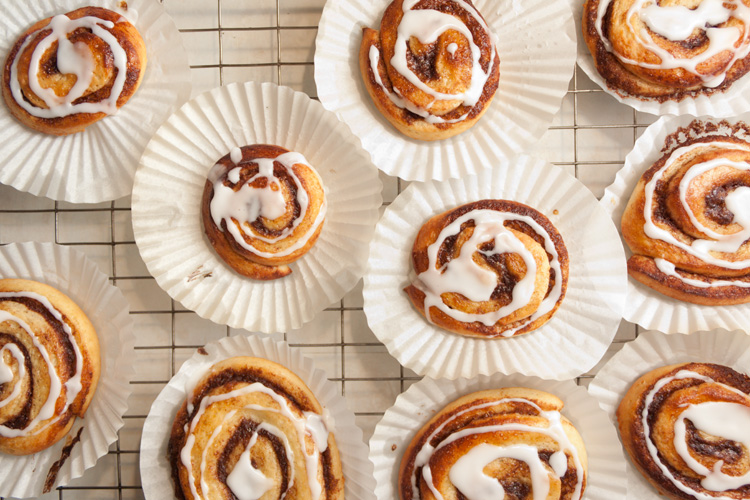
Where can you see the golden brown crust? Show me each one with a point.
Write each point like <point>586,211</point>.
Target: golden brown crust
<point>668,403</point>
<point>268,453</point>
<point>35,384</point>
<point>630,80</point>
<point>509,271</point>
<point>444,73</point>
<point>104,73</point>
<point>239,258</point>
<point>706,196</point>
<point>477,410</point>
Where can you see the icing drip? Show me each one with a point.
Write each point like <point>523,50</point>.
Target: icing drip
<point>6,373</point>
<point>75,59</point>
<point>305,425</point>
<point>671,270</point>
<point>463,275</point>
<point>72,387</point>
<point>426,25</point>
<point>245,481</point>
<point>466,474</point>
<point>737,201</point>
<point>678,23</point>
<point>249,203</point>
<point>721,419</point>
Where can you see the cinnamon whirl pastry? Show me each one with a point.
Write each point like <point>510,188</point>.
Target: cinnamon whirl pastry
<point>688,222</point>
<point>49,365</point>
<point>250,429</point>
<point>489,268</point>
<point>71,70</point>
<point>668,50</point>
<point>685,428</point>
<point>495,444</point>
<point>432,69</point>
<point>263,207</point>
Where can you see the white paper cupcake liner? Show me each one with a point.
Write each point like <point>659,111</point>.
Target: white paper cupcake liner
<point>536,45</point>
<point>574,339</point>
<point>156,476</point>
<point>413,408</point>
<point>76,276</point>
<point>645,306</point>
<point>97,164</point>
<point>653,350</point>
<point>735,100</point>
<point>167,201</point>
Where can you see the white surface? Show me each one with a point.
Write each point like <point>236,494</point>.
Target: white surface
<point>338,339</point>
<point>652,350</point>
<point>97,164</point>
<point>77,277</point>
<point>645,306</point>
<point>536,45</point>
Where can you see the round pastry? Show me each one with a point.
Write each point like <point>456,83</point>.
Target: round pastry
<point>688,222</point>
<point>432,69</point>
<point>263,208</point>
<point>668,50</point>
<point>250,428</point>
<point>489,268</point>
<point>685,428</point>
<point>499,443</point>
<point>71,70</point>
<point>49,365</point>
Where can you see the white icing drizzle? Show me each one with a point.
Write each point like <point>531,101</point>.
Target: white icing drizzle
<point>671,270</point>
<point>304,426</point>
<point>6,373</point>
<point>722,419</point>
<point>677,23</point>
<point>463,275</point>
<point>738,202</point>
<point>467,471</point>
<point>427,25</point>
<point>75,59</point>
<point>73,385</point>
<point>245,481</point>
<point>249,202</point>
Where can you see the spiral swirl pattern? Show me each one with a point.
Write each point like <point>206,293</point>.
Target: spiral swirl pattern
<point>669,50</point>
<point>496,444</point>
<point>250,428</point>
<point>432,69</point>
<point>685,428</point>
<point>263,208</point>
<point>71,70</point>
<point>688,222</point>
<point>489,268</point>
<point>49,365</point>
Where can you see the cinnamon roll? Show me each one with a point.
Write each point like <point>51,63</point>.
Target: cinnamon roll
<point>432,69</point>
<point>250,428</point>
<point>71,70</point>
<point>688,222</point>
<point>49,365</point>
<point>494,444</point>
<point>685,428</point>
<point>263,208</point>
<point>668,50</point>
<point>491,268</point>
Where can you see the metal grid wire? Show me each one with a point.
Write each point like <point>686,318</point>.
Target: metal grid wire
<point>24,217</point>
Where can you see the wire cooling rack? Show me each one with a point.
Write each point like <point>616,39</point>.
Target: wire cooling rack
<point>274,40</point>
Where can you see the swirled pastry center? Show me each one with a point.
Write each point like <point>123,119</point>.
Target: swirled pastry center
<point>726,420</point>
<point>72,386</point>
<point>246,200</point>
<point>246,476</point>
<point>467,473</point>
<point>709,21</point>
<point>464,275</point>
<point>72,59</point>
